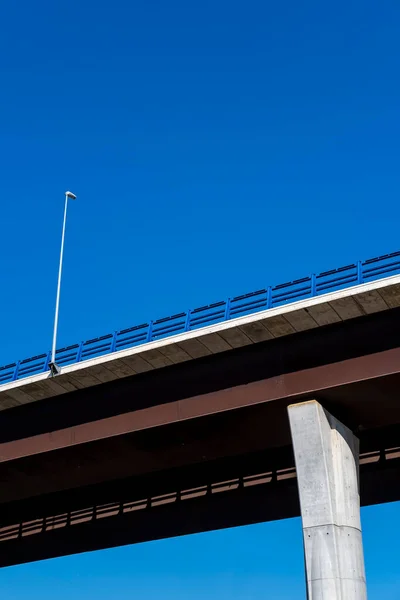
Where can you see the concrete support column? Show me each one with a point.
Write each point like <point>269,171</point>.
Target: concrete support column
<point>326,455</point>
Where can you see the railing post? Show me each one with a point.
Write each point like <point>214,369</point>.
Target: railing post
<point>360,278</point>
<point>187,323</point>
<point>114,342</point>
<point>79,353</point>
<point>150,331</point>
<point>313,285</point>
<point>46,362</point>
<point>15,374</point>
<point>269,297</point>
<point>227,310</point>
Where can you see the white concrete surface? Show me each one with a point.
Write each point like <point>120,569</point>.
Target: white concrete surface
<point>327,465</point>
<point>262,326</point>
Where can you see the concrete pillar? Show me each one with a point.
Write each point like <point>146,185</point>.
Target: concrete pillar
<point>326,455</point>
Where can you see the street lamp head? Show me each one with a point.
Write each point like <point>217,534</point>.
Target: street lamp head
<point>70,195</point>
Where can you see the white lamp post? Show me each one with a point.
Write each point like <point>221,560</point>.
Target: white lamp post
<point>53,366</point>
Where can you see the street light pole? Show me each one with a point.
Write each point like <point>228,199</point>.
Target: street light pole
<point>53,365</point>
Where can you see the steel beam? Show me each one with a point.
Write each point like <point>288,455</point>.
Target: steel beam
<point>289,386</point>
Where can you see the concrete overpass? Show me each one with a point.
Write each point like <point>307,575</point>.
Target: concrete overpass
<point>190,433</point>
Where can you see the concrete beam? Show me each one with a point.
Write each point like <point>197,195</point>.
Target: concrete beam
<point>327,465</point>
<point>302,315</point>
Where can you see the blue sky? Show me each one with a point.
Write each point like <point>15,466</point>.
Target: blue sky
<point>215,147</point>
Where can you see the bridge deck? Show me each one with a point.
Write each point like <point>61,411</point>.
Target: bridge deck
<point>336,307</point>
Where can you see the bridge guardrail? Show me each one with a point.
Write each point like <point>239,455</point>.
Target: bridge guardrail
<point>218,312</point>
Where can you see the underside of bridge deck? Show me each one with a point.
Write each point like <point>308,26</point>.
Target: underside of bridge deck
<point>194,447</point>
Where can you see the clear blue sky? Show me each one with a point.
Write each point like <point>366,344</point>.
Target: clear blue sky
<point>215,147</point>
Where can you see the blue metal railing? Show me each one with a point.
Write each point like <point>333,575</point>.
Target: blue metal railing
<point>270,297</point>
